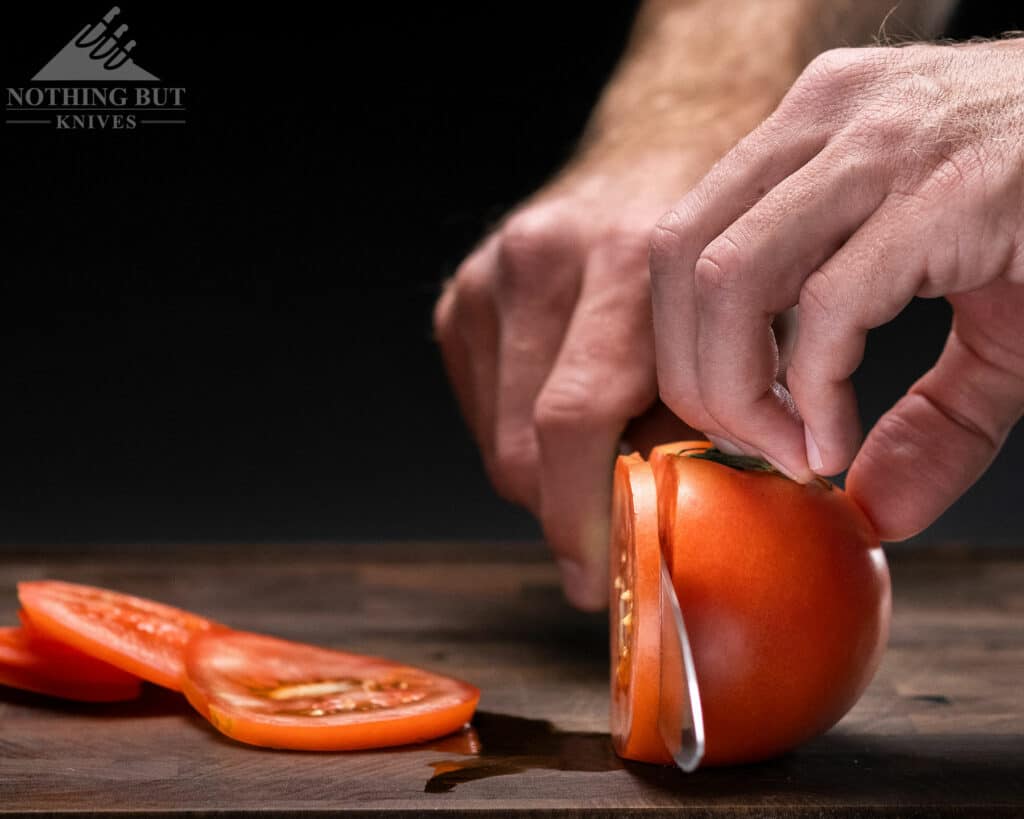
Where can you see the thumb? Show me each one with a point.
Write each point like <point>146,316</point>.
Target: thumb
<point>938,439</point>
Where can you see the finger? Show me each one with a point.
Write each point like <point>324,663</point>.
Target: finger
<point>454,355</point>
<point>604,376</point>
<point>865,284</point>
<point>929,448</point>
<point>756,165</point>
<point>754,270</point>
<point>475,318</point>
<point>538,282</point>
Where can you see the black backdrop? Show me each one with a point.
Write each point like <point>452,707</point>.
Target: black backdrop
<point>221,330</point>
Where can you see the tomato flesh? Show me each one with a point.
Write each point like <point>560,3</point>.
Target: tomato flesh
<point>279,694</point>
<point>635,612</point>
<point>139,636</point>
<point>47,667</point>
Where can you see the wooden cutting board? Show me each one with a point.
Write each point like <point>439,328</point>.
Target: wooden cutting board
<point>940,731</point>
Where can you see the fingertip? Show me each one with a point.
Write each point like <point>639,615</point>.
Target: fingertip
<point>775,432</point>
<point>579,542</point>
<point>831,423</point>
<point>585,576</point>
<point>798,475</point>
<point>584,587</point>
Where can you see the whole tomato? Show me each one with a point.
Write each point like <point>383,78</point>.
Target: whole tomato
<point>785,592</point>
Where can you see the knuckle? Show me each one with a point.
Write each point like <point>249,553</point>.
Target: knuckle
<point>823,71</point>
<point>840,68</point>
<point>875,139</point>
<point>574,404</point>
<point>816,296</point>
<point>474,283</point>
<point>719,267</point>
<point>952,172</point>
<point>533,242</point>
<point>562,405</point>
<point>669,241</point>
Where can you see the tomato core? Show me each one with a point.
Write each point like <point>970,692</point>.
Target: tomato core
<point>324,698</point>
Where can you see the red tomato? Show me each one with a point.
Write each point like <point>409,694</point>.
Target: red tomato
<point>785,592</point>
<point>47,667</point>
<point>280,694</point>
<point>137,635</point>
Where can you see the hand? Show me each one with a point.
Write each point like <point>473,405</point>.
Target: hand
<point>884,174</point>
<point>546,335</point>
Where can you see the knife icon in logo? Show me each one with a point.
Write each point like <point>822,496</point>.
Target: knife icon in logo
<point>98,52</point>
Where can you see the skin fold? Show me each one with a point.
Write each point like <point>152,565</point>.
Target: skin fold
<point>547,330</point>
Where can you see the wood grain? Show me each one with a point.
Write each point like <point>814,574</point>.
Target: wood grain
<point>940,731</point>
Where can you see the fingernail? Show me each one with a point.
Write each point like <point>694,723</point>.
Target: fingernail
<point>578,586</point>
<point>813,453</point>
<point>782,469</point>
<point>725,445</point>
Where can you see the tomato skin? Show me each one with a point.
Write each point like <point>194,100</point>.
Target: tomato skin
<point>237,680</point>
<point>50,668</point>
<point>786,595</point>
<point>660,457</point>
<point>140,636</point>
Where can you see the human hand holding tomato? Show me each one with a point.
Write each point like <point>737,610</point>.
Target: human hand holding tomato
<point>884,174</point>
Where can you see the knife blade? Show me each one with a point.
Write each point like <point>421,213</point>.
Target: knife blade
<point>680,719</point>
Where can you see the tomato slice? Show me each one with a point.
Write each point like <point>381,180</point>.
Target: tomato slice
<point>659,453</point>
<point>140,636</point>
<point>659,458</point>
<point>279,694</point>
<point>635,613</point>
<point>48,667</point>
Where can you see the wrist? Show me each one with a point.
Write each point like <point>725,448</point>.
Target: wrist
<point>669,122</point>
<point>697,80</point>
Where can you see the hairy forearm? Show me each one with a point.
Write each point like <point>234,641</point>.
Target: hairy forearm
<point>721,66</point>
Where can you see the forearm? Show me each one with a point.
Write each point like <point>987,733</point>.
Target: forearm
<point>721,66</point>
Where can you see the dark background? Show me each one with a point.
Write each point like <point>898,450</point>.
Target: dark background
<point>221,331</point>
